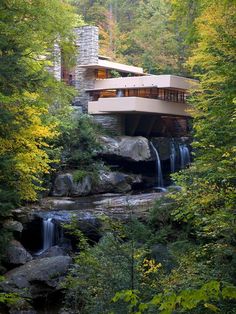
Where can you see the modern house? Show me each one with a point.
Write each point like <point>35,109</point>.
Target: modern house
<point>123,98</point>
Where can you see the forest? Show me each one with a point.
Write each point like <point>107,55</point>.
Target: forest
<point>180,257</point>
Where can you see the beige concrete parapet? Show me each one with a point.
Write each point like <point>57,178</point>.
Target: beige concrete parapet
<point>137,105</point>
<point>160,81</point>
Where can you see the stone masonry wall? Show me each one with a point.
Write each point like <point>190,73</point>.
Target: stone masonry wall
<point>55,69</point>
<point>114,124</point>
<point>87,53</point>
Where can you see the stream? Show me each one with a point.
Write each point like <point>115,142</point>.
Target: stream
<point>46,223</point>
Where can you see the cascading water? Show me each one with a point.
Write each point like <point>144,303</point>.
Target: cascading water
<point>48,233</point>
<point>172,157</point>
<point>184,155</point>
<point>158,167</point>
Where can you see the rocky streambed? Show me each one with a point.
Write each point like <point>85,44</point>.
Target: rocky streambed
<point>41,253</point>
<point>36,272</point>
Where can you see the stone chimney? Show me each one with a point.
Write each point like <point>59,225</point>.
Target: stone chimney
<point>87,53</point>
<point>87,44</point>
<point>55,58</point>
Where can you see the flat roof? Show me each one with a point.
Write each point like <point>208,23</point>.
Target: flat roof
<point>114,66</point>
<point>102,57</point>
<point>148,81</point>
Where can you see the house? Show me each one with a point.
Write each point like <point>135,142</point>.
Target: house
<point>123,98</point>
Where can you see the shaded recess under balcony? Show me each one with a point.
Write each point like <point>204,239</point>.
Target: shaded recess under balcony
<point>153,125</point>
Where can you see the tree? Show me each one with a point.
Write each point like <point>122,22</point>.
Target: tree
<point>29,30</point>
<point>157,41</point>
<point>209,183</point>
<point>206,203</point>
<point>205,209</point>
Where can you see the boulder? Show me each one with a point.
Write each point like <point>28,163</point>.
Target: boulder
<point>13,225</point>
<point>63,185</point>
<point>115,182</point>
<point>54,251</point>
<point>137,148</point>
<point>37,277</point>
<point>131,148</point>
<point>17,254</point>
<point>163,146</point>
<point>22,215</point>
<point>82,187</point>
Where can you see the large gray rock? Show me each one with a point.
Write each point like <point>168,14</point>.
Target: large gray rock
<point>13,225</point>
<point>115,182</point>
<point>17,254</point>
<point>138,148</point>
<point>163,146</point>
<point>132,148</point>
<point>38,277</point>
<point>82,187</point>
<point>64,185</point>
<point>23,215</point>
<point>54,251</point>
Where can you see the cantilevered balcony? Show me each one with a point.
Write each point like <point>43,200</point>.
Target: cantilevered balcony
<point>124,105</point>
<point>149,81</point>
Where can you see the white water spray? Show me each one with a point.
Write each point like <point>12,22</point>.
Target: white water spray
<point>158,167</point>
<point>48,233</point>
<point>184,155</point>
<point>172,158</point>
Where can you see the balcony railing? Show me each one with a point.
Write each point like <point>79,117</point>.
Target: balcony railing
<point>151,93</point>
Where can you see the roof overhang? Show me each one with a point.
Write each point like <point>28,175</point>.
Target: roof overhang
<point>160,81</point>
<point>106,64</point>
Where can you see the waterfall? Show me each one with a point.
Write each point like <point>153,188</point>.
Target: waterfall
<point>184,155</point>
<point>172,157</point>
<point>48,233</point>
<point>158,167</point>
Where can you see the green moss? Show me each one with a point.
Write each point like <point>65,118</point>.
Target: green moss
<point>79,175</point>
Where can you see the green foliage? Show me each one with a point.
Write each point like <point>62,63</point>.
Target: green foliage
<point>27,89</point>
<point>36,32</point>
<point>197,224</point>
<point>207,200</point>
<point>186,300</point>
<point>79,146</point>
<point>5,237</point>
<point>114,74</point>
<point>204,209</point>
<point>117,262</point>
<point>79,175</point>
<point>155,34</point>
<point>164,227</point>
<point>28,92</point>
<point>73,229</point>
<point>98,273</point>
<point>8,198</point>
<point>80,143</point>
<point>9,298</point>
